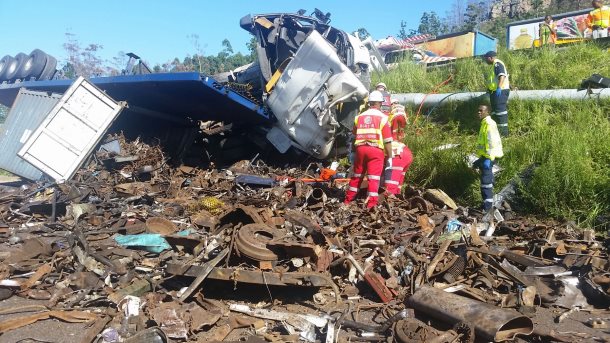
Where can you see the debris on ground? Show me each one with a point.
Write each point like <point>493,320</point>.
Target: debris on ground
<point>142,251</point>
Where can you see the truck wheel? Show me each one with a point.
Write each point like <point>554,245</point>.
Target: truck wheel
<point>37,59</point>
<point>4,63</point>
<point>12,68</point>
<point>49,68</point>
<point>21,59</point>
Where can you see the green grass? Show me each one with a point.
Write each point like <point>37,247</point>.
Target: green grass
<point>568,141</point>
<point>528,69</point>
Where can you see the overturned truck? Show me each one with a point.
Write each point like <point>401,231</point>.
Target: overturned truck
<point>301,95</point>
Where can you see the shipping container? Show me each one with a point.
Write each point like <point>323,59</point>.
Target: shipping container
<point>461,44</point>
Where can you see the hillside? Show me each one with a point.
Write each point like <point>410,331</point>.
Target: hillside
<point>562,138</point>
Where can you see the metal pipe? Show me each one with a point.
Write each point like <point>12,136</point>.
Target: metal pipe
<point>491,322</point>
<point>436,99</point>
<point>318,194</point>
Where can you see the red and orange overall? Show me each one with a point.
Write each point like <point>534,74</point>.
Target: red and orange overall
<point>372,131</point>
<point>402,157</point>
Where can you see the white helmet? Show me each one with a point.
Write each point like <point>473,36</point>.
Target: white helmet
<point>381,84</point>
<point>375,96</point>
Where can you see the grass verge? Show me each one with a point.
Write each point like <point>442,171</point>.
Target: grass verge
<point>568,141</point>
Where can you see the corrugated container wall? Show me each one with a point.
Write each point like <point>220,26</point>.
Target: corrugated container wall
<point>27,113</point>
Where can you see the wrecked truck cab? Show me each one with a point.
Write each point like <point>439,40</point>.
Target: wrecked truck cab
<point>308,93</point>
<point>313,77</point>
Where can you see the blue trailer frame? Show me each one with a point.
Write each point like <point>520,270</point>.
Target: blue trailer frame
<point>188,94</point>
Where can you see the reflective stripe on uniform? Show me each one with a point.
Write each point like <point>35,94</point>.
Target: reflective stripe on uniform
<point>489,185</point>
<point>502,124</point>
<point>392,182</point>
<point>489,200</point>
<point>373,194</point>
<point>501,113</point>
<point>357,175</point>
<point>367,131</point>
<point>374,177</point>
<point>353,189</point>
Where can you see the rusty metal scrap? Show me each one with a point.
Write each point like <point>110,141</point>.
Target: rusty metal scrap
<point>416,269</point>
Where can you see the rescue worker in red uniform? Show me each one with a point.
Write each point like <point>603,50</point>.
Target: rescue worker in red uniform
<point>402,157</point>
<point>398,116</point>
<point>373,142</point>
<point>386,104</point>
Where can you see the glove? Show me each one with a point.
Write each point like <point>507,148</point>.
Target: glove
<point>486,163</point>
<point>498,92</point>
<point>478,163</point>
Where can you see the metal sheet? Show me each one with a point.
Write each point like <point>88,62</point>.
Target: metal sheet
<point>71,130</point>
<point>28,111</point>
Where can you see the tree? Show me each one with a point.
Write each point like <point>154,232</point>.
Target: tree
<point>227,46</point>
<point>475,14</point>
<point>83,61</point>
<point>363,33</point>
<point>455,17</point>
<point>119,62</point>
<point>430,23</point>
<point>251,45</point>
<point>403,34</point>
<point>194,38</point>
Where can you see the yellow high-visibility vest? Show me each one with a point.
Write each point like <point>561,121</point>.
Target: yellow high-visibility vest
<point>599,17</point>
<point>368,128</point>
<point>489,143</point>
<point>493,80</point>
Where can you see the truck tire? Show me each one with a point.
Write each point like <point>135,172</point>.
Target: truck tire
<point>49,68</point>
<point>12,68</point>
<point>37,59</point>
<point>4,63</point>
<point>21,61</point>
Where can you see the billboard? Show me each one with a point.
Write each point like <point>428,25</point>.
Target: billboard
<point>461,44</point>
<point>571,27</point>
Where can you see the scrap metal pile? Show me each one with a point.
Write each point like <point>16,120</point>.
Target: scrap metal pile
<point>144,252</point>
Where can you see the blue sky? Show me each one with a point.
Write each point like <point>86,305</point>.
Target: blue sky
<point>158,31</point>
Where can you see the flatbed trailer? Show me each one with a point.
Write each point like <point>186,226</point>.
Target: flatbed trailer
<point>189,94</point>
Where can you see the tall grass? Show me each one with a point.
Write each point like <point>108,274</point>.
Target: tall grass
<point>568,141</point>
<point>548,68</point>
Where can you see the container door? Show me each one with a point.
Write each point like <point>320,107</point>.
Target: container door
<point>71,130</point>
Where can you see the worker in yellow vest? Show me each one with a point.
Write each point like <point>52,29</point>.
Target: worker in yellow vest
<point>548,31</point>
<point>598,20</point>
<point>489,148</point>
<point>498,87</point>
<point>373,145</point>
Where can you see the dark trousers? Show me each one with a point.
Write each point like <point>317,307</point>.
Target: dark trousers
<point>499,110</point>
<point>487,183</point>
